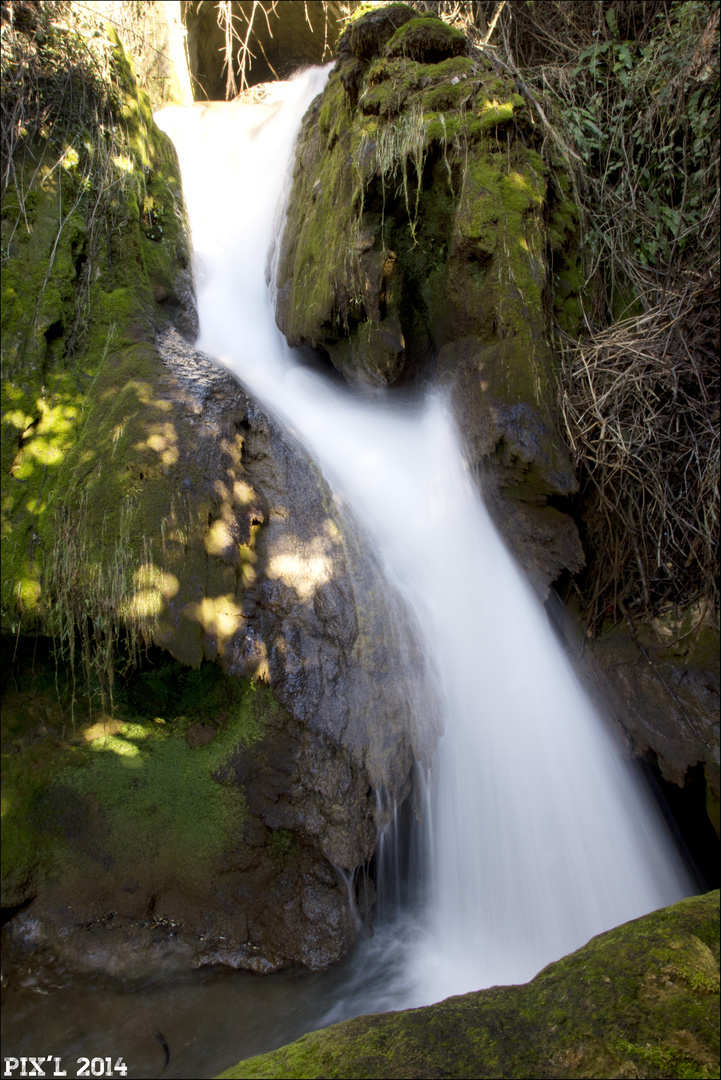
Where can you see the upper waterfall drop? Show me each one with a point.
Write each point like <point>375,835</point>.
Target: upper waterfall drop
<point>542,835</point>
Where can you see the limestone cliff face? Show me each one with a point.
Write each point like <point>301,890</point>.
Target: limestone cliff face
<point>422,224</point>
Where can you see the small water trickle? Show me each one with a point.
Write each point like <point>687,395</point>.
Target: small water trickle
<point>403,854</point>
<point>387,869</point>
<point>350,883</point>
<point>535,834</point>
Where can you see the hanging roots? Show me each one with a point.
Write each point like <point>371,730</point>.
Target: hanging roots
<point>101,599</point>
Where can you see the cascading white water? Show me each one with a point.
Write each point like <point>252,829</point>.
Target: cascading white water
<point>542,836</point>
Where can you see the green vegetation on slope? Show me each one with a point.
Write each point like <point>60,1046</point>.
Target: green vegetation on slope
<point>93,244</point>
<point>128,795</point>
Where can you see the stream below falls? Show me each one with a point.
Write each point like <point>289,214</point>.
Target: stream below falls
<point>538,834</point>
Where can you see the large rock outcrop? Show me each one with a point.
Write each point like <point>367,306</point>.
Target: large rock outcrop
<point>230,795</point>
<point>422,228</point>
<point>638,1001</point>
<point>149,504</point>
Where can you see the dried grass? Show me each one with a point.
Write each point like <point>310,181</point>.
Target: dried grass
<point>391,152</point>
<point>56,76</point>
<point>640,394</point>
<point>640,409</point>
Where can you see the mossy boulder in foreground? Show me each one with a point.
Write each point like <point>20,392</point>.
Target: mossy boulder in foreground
<point>639,1001</point>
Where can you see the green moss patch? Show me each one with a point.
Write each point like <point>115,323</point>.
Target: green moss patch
<point>639,1001</point>
<point>146,798</point>
<point>93,243</point>
<point>132,797</point>
<point>427,40</point>
<point>371,26</point>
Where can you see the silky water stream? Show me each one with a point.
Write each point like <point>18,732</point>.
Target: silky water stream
<point>537,835</point>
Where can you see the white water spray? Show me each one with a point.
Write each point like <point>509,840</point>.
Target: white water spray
<point>542,837</point>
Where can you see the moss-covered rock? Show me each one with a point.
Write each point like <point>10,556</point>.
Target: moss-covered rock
<point>126,795</point>
<point>99,266</point>
<point>427,39</point>
<point>250,566</point>
<point>424,230</point>
<point>155,815</point>
<point>370,27</point>
<point>639,1001</point>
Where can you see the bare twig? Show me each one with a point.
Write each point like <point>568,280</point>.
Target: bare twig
<point>499,8</point>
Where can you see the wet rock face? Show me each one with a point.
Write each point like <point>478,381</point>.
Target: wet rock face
<point>661,686</point>
<point>276,910</point>
<point>319,625</point>
<point>256,570</point>
<point>215,543</point>
<point>420,190</point>
<point>207,835</point>
<point>292,594</point>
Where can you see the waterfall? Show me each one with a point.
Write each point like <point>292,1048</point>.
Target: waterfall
<point>542,836</point>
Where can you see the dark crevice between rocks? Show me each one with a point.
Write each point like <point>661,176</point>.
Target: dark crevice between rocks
<point>566,504</point>
<point>24,435</point>
<point>54,337</point>
<point>399,884</point>
<point>80,263</point>
<point>318,360</point>
<point>8,913</point>
<point>79,255</point>
<point>684,810</point>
